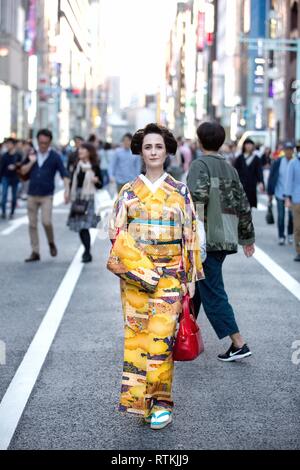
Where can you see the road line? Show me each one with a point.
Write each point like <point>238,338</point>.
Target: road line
<point>277,272</point>
<point>15,224</point>
<point>16,396</point>
<point>21,386</point>
<point>55,211</point>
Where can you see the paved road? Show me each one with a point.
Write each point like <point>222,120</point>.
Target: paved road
<point>253,404</point>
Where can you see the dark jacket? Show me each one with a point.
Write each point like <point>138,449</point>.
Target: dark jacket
<point>273,177</point>
<point>41,179</point>
<point>215,184</point>
<point>72,161</point>
<point>10,159</point>
<point>249,175</point>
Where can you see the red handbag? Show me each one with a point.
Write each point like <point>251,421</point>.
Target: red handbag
<point>188,343</point>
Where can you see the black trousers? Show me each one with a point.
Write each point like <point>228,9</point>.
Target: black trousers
<point>85,239</point>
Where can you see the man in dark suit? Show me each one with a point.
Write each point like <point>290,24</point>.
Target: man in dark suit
<point>42,167</point>
<point>8,173</point>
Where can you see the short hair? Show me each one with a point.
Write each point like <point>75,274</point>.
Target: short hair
<point>138,138</point>
<point>127,136</point>
<point>247,141</point>
<point>12,140</point>
<point>211,135</point>
<point>78,137</point>
<point>46,133</point>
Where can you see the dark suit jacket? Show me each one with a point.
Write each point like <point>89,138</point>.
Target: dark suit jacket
<point>250,175</point>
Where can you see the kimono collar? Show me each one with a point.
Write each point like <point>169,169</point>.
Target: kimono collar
<point>153,186</point>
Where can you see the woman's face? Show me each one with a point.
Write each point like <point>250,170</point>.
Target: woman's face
<point>154,151</point>
<point>249,147</point>
<point>83,154</point>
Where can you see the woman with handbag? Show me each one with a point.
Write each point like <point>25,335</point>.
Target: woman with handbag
<point>156,254</point>
<point>86,179</point>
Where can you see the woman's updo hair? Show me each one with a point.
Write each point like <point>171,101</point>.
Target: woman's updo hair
<point>169,139</point>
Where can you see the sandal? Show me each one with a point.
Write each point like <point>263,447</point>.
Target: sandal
<point>160,419</point>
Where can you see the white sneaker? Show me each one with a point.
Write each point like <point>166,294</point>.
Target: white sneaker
<point>281,241</point>
<point>290,239</point>
<point>160,419</point>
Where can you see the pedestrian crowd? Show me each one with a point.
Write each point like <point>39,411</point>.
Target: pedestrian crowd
<point>278,175</point>
<point>275,174</point>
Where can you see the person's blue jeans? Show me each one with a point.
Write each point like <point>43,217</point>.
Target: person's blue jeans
<point>211,293</point>
<point>105,177</point>
<point>6,182</point>
<point>281,219</point>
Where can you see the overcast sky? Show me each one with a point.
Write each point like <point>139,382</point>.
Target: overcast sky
<point>136,32</point>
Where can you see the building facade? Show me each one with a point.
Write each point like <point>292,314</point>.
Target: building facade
<point>68,77</point>
<point>50,67</point>
<point>14,91</point>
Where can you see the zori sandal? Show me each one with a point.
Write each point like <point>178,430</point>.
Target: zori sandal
<point>160,419</point>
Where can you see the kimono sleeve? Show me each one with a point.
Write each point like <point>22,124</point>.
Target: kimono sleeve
<point>191,244</point>
<point>118,218</point>
<point>127,260</point>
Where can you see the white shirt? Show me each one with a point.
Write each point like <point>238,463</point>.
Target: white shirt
<point>153,186</point>
<point>42,157</point>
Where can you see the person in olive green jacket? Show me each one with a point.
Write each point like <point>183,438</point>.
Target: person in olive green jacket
<point>221,201</point>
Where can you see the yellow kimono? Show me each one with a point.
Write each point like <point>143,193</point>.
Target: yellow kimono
<point>161,220</point>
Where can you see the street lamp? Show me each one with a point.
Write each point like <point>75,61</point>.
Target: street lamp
<point>281,45</point>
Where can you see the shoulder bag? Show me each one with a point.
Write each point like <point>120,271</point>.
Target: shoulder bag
<point>79,207</point>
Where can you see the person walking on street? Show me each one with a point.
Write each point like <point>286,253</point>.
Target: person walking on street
<point>73,156</point>
<point>186,155</point>
<point>10,162</point>
<point>86,178</point>
<point>276,186</point>
<point>27,149</point>
<point>217,192</point>
<point>249,168</point>
<point>124,165</point>
<point>155,214</point>
<point>292,195</point>
<point>42,167</point>
<point>106,155</point>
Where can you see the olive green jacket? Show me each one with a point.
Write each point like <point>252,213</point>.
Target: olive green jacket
<point>221,202</point>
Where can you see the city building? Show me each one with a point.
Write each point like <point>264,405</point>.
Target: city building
<point>186,97</point>
<point>48,73</point>
<point>227,87</point>
<point>68,93</point>
<point>14,93</point>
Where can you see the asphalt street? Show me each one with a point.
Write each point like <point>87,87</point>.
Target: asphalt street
<point>251,404</point>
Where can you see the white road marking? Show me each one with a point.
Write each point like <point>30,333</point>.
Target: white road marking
<point>16,396</point>
<point>21,386</point>
<point>279,273</point>
<point>15,224</point>
<point>55,211</point>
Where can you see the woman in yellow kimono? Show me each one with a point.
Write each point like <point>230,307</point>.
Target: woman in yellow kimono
<point>156,213</point>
